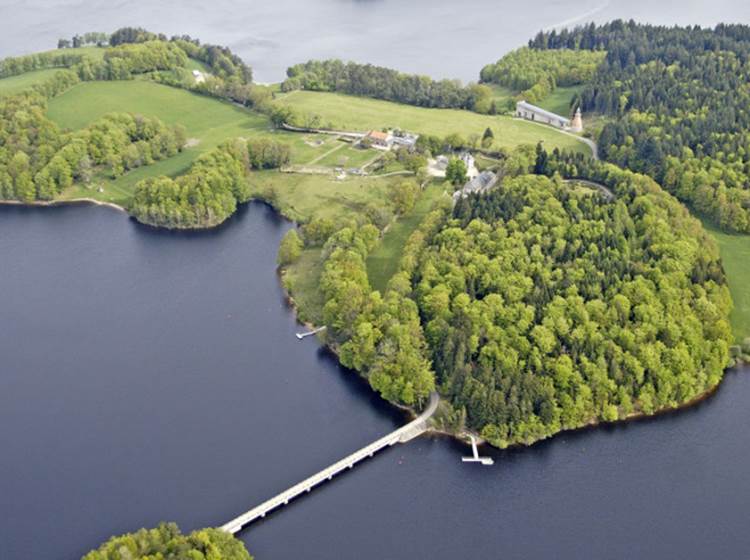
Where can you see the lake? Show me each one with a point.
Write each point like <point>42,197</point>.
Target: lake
<point>152,376</point>
<point>436,37</point>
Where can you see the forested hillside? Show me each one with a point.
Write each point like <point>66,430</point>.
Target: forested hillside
<point>536,73</point>
<point>546,306</point>
<point>387,84</point>
<point>543,305</point>
<point>678,99</point>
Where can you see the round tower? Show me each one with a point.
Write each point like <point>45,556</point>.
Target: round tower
<point>576,124</point>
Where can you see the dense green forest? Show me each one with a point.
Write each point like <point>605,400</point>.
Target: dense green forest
<point>547,306</point>
<point>166,542</point>
<point>38,161</point>
<point>203,197</point>
<point>387,84</point>
<point>542,305</point>
<point>678,100</point>
<point>210,191</point>
<point>536,73</point>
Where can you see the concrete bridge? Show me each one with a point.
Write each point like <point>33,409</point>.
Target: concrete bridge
<point>405,433</point>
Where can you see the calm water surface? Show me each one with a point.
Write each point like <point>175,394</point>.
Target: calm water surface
<point>150,376</point>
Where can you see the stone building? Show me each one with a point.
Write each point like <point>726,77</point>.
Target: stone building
<point>531,112</point>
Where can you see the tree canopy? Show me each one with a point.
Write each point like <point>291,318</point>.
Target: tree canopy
<point>203,197</point>
<point>383,83</point>
<point>548,306</point>
<point>536,73</point>
<point>166,542</point>
<point>676,101</point>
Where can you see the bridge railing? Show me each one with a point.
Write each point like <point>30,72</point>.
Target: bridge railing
<point>403,434</point>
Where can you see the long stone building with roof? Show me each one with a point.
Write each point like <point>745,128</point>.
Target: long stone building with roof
<point>531,112</point>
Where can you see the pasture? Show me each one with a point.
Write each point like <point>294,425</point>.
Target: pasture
<point>559,100</point>
<point>208,123</point>
<point>735,255</point>
<point>360,114</point>
<point>17,84</point>
<point>383,262</point>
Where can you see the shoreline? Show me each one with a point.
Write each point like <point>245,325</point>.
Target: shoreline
<point>461,436</point>
<point>71,201</point>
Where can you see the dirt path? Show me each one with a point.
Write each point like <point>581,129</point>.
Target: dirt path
<point>326,154</point>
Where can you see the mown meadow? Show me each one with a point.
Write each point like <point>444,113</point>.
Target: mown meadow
<point>348,112</point>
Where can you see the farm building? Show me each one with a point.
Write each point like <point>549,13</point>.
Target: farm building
<point>380,139</point>
<point>531,112</point>
<point>405,140</point>
<point>479,184</point>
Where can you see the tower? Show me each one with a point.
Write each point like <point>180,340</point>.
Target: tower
<point>577,123</point>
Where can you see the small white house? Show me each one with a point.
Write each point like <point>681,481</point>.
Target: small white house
<point>199,76</point>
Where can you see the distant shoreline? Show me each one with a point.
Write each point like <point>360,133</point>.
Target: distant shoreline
<point>51,203</point>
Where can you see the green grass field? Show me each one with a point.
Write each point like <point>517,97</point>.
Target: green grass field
<point>382,263</point>
<point>559,100</point>
<point>348,156</point>
<point>16,84</point>
<point>208,122</point>
<point>501,95</point>
<point>303,197</point>
<point>302,279</point>
<point>93,52</point>
<point>359,113</point>
<point>735,254</point>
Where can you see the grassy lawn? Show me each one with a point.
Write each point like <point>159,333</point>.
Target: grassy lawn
<point>303,277</point>
<point>359,113</point>
<point>559,100</point>
<point>735,254</point>
<point>93,52</point>
<point>501,95</point>
<point>349,156</point>
<point>303,280</point>
<point>303,197</point>
<point>16,84</point>
<point>382,263</point>
<point>208,122</point>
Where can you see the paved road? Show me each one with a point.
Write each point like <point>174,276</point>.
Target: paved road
<point>590,143</point>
